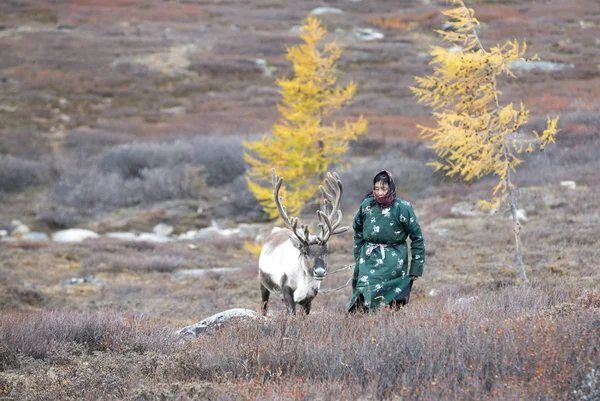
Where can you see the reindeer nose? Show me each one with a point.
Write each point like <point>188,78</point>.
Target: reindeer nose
<point>320,272</point>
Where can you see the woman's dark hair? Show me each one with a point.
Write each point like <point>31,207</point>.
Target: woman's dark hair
<point>381,177</point>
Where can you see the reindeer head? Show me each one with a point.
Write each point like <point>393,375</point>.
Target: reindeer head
<point>313,249</point>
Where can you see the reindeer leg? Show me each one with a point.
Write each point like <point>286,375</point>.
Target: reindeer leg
<point>288,296</point>
<point>306,306</point>
<point>264,294</point>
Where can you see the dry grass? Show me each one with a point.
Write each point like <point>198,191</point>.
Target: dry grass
<point>537,341</point>
<point>483,336</point>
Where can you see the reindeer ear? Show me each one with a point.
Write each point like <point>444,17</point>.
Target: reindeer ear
<point>296,242</point>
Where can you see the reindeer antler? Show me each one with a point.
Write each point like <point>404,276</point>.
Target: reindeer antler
<point>292,222</point>
<point>332,196</point>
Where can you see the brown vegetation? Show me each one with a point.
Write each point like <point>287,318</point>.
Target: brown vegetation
<point>81,80</point>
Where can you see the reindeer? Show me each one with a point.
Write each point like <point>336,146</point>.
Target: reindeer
<point>292,261</point>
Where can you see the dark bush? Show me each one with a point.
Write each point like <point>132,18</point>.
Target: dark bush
<point>90,189</point>
<point>18,174</point>
<point>221,158</point>
<point>241,204</point>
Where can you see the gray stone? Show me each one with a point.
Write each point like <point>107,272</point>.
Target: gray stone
<point>18,228</point>
<point>216,321</point>
<point>367,34</point>
<point>326,10</point>
<point>73,235</point>
<point>162,229</point>
<point>35,236</point>
<point>568,184</point>
<point>195,273</point>
<point>81,280</point>
<point>127,236</point>
<point>539,65</point>
<point>151,237</point>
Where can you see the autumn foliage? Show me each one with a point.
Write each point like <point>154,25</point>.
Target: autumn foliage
<point>301,146</point>
<point>475,136</point>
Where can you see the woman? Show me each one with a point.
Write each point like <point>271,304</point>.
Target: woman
<point>382,275</point>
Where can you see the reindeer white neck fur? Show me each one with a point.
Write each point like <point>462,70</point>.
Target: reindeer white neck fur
<point>293,262</point>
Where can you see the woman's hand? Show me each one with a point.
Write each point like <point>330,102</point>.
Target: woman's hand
<point>414,278</point>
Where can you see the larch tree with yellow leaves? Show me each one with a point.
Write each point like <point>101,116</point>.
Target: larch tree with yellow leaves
<point>301,146</point>
<point>476,136</point>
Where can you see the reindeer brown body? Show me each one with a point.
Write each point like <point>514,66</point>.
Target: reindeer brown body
<point>293,262</point>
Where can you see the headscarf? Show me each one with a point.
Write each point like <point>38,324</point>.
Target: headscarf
<point>386,200</point>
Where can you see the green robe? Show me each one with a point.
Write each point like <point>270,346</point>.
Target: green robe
<point>381,253</point>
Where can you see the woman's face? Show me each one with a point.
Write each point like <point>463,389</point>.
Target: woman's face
<point>380,188</point>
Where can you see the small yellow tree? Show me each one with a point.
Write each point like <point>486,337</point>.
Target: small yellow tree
<point>301,147</point>
<point>476,136</point>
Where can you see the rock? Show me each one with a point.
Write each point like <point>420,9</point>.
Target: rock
<point>214,232</point>
<point>367,34</point>
<point>127,236</point>
<point>216,321</point>
<point>326,10</point>
<point>3,233</point>
<point>162,229</point>
<point>35,236</point>
<point>547,66</point>
<point>73,235</point>
<point>18,228</point>
<point>195,273</point>
<point>568,184</point>
<point>190,235</point>
<point>81,280</point>
<point>174,111</point>
<point>433,292</point>
<point>151,237</point>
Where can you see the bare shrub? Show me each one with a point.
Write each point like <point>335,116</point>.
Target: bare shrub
<point>221,157</point>
<point>91,189</point>
<point>37,335</point>
<point>172,182</point>
<point>532,342</point>
<point>240,204</point>
<point>59,216</point>
<point>455,347</point>
<point>18,174</point>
